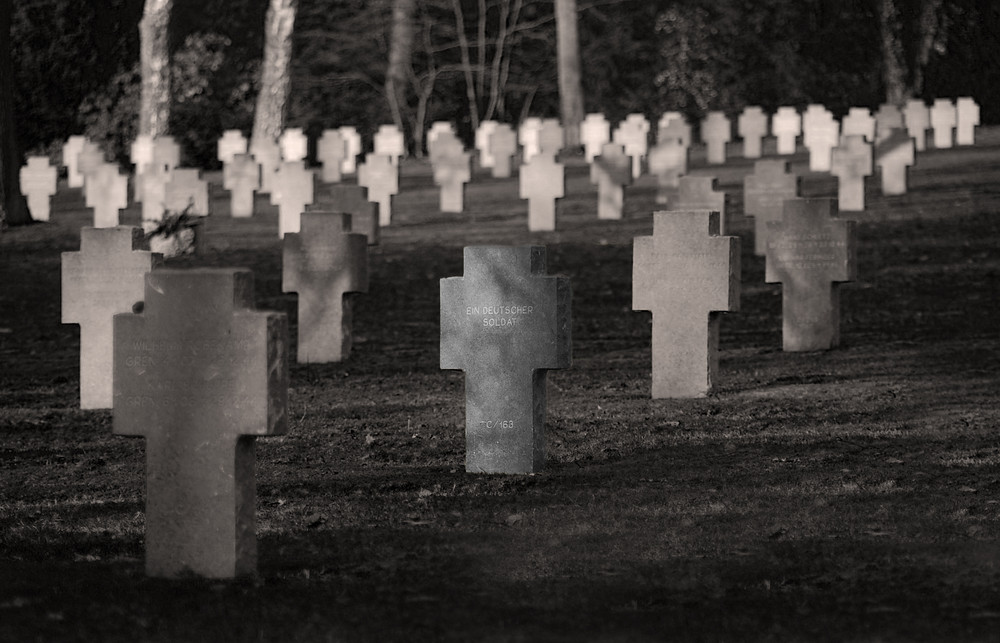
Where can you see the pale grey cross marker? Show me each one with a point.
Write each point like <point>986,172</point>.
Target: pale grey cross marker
<point>186,191</point>
<point>699,193</point>
<point>390,142</point>
<point>887,118</point>
<point>943,122</point>
<point>70,155</point>
<point>716,131</point>
<point>38,184</point>
<point>786,125</point>
<point>858,122</point>
<point>918,120</point>
<point>667,162</point>
<point>381,177</point>
<point>293,190</point>
<point>352,148</point>
<point>331,151</point>
<point>764,195</point>
<point>611,171</point>
<point>752,126</point>
<point>633,135</point>
<point>105,277</point>
<point>141,155</point>
<point>325,263</point>
<point>166,153</point>
<point>673,125</point>
<point>810,253</point>
<point>505,323</point>
<point>821,133</point>
<point>106,192</point>
<point>483,134</point>
<point>542,181</point>
<point>241,176</point>
<point>595,131</point>
<point>200,373</point>
<point>851,163</point>
<point>893,156</point>
<point>967,117</point>
<point>550,137</point>
<point>527,136</point>
<point>445,140</point>
<point>685,274</point>
<point>294,144</point>
<point>503,147</point>
<point>353,200</point>
<point>88,160</point>
<point>230,144</point>
<point>452,171</point>
<point>268,155</point>
<point>154,196</point>
<point>438,128</point>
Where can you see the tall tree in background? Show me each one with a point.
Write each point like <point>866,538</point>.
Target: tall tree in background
<point>154,59</point>
<point>275,79</point>
<point>570,88</point>
<point>908,29</point>
<point>13,209</point>
<point>400,67</point>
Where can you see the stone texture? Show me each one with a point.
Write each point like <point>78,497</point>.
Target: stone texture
<point>505,323</point>
<point>699,193</point>
<point>943,120</point>
<point>674,126</point>
<point>352,200</point>
<point>230,144</point>
<point>294,144</point>
<point>106,191</point>
<point>323,264</point>
<point>851,163</point>
<point>752,127</point>
<point>154,196</point>
<point>893,156</point>
<point>810,253</point>
<point>542,181</point>
<point>388,140</point>
<point>199,374</point>
<point>716,131</point>
<point>38,184</point>
<point>611,172</point>
<point>858,122</point>
<point>293,190</point>
<point>105,277</point>
<point>821,133</point>
<point>668,161</point>
<point>241,176</point>
<point>381,177</point>
<point>595,131</point>
<point>786,125</point>
<point>764,195</point>
<point>685,274</point>
<point>187,190</point>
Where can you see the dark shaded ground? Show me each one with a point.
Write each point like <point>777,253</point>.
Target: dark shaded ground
<point>843,496</point>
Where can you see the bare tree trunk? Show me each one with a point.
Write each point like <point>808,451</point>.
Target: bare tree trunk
<point>400,69</point>
<point>929,24</point>
<point>154,55</point>
<point>470,87</point>
<point>570,88</point>
<point>269,114</point>
<point>13,209</point>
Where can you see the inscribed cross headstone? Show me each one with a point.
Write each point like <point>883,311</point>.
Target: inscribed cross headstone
<point>918,120</point>
<point>293,190</point>
<point>389,141</point>
<point>38,184</point>
<point>685,274</point>
<point>294,144</point>
<point>893,156</point>
<point>185,190</point>
<point>764,195</point>
<point>611,172</point>
<point>527,136</point>
<point>667,162</point>
<point>483,145</point>
<point>505,323</point>
<point>851,163</point>
<point>230,144</point>
<point>699,193</point>
<point>821,133</point>
<point>633,135</point>
<point>331,151</point>
<point>887,118</point>
<point>452,170</point>
<point>199,373</point>
<point>752,126</point>
<point>268,155</point>
<point>324,263</point>
<point>967,117</point>
<point>105,277</point>
<point>353,200</point>
<point>381,177</point>
<point>503,146</point>
<point>542,181</point>
<point>595,131</point>
<point>786,125</point>
<point>106,191</point>
<point>716,131</point>
<point>241,176</point>
<point>810,253</point>
<point>858,122</point>
<point>352,147</point>
<point>70,156</point>
<point>943,122</point>
<point>550,137</point>
<point>673,125</point>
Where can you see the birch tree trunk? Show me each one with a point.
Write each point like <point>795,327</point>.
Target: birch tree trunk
<point>399,70</point>
<point>570,88</point>
<point>269,114</point>
<point>13,209</point>
<point>154,57</point>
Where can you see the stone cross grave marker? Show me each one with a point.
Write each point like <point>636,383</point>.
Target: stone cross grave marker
<point>752,126</point>
<point>268,155</point>
<point>786,125</point>
<point>505,323</point>
<point>550,137</point>
<point>331,150</point>
<point>810,253</point>
<point>293,190</point>
<point>667,162</point>
<point>685,274</point>
<point>887,118</point>
<point>438,128</point>
<point>90,158</point>
<point>611,172</point>
<point>294,144</point>
<point>918,120</point>
<point>673,125</point>
<point>967,117</point>
<point>105,277</point>
<point>187,190</point>
<point>503,147</point>
<point>241,176</point>
<point>200,373</point>
<point>483,145</point>
<point>943,122</point>
<point>633,134</point>
<point>542,181</point>
<point>595,131</point>
<point>858,122</point>
<point>106,191</point>
<point>390,142</point>
<point>699,193</point>
<point>527,136</point>
<point>38,184</point>
<point>893,156</point>
<point>821,135</point>
<point>230,144</point>
<point>452,171</point>
<point>70,158</point>
<point>166,153</point>
<point>352,147</point>
<point>352,200</point>
<point>154,196</point>
<point>764,195</point>
<point>444,142</point>
<point>381,177</point>
<point>851,163</point>
<point>325,264</point>
<point>716,131</point>
<point>142,157</point>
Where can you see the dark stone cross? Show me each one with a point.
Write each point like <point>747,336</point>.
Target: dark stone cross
<point>684,273</point>
<point>764,194</point>
<point>505,323</point>
<point>199,374</point>
<point>323,264</point>
<point>810,253</point>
